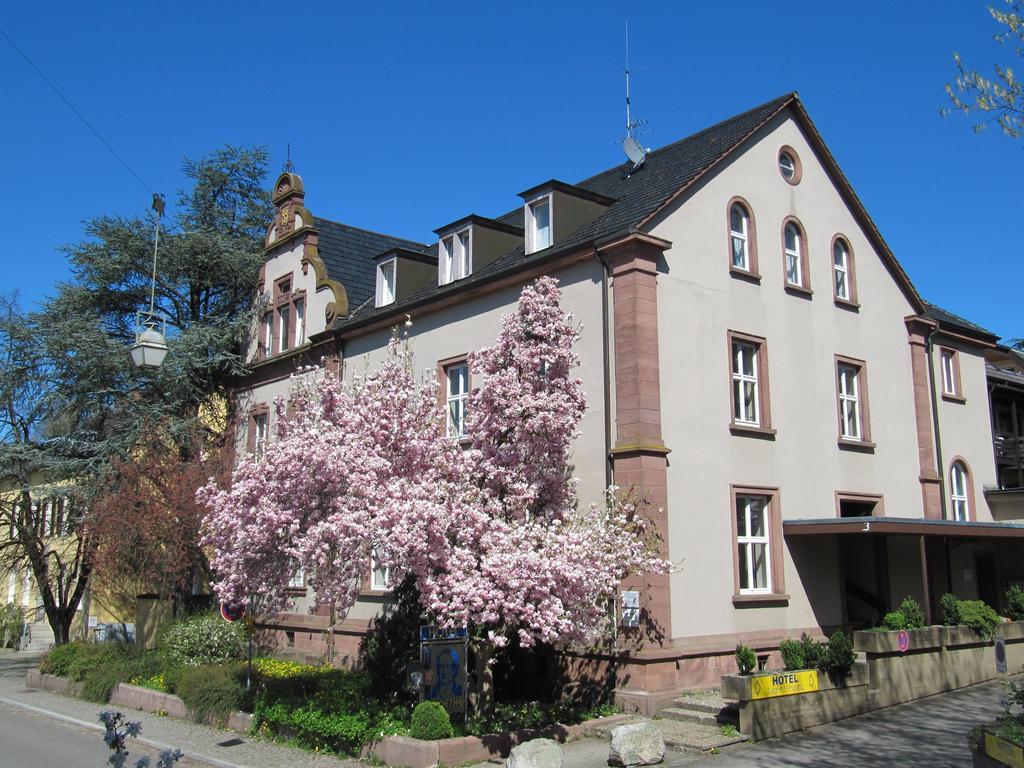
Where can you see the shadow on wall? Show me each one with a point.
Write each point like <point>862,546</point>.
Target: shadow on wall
<point>817,563</point>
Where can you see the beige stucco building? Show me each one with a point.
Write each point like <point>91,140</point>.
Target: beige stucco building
<point>813,437</point>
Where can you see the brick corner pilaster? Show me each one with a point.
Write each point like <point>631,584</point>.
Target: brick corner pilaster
<point>918,331</point>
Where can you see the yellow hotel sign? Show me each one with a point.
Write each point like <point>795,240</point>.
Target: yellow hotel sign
<point>1005,752</point>
<point>784,684</point>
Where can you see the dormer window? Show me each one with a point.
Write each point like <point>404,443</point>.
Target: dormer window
<point>456,253</point>
<point>386,283</point>
<point>538,224</point>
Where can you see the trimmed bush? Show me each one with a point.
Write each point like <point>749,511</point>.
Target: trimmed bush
<point>950,610</point>
<point>211,694</point>
<point>813,651</point>
<point>746,660</point>
<point>1015,603</point>
<point>430,721</point>
<point>839,656</point>
<point>979,616</point>
<point>894,620</point>
<point>792,654</point>
<point>912,613</point>
<point>203,640</point>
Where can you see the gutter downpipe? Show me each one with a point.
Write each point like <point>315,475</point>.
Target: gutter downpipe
<point>606,363</point>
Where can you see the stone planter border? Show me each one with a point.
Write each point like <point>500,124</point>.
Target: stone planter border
<point>414,753</point>
<point>393,750</point>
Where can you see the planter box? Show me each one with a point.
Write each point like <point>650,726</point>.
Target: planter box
<point>62,685</point>
<point>1012,631</point>
<point>923,639</point>
<point>414,753</point>
<point>994,752</point>
<point>148,700</point>
<point>770,717</point>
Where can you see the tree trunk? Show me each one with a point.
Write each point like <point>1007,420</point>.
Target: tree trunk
<point>481,695</point>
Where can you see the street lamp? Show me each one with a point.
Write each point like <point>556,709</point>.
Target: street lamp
<point>150,347</point>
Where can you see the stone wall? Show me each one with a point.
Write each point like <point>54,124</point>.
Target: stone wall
<point>938,659</point>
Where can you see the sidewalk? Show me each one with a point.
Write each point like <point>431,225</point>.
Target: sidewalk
<point>200,743</point>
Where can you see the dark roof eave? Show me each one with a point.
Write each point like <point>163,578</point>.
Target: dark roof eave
<point>482,221</point>
<point>900,525</point>
<point>569,189</point>
<point>399,310</point>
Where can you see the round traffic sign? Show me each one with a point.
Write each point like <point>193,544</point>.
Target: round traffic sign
<point>232,612</point>
<point>903,641</point>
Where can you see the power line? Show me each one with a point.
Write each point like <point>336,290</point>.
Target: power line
<point>72,108</point>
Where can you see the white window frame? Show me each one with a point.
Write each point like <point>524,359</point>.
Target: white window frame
<point>26,595</point>
<point>458,400</point>
<point>796,255</point>
<point>455,256</point>
<point>851,425</point>
<point>376,584</point>
<point>739,381</point>
<point>532,244</point>
<point>268,333</point>
<point>959,495</point>
<point>947,359</point>
<point>12,584</point>
<point>744,539</point>
<point>738,236</point>
<point>298,579</point>
<point>260,423</point>
<point>386,292</point>
<point>840,247</point>
<point>284,320</point>
<point>299,308</point>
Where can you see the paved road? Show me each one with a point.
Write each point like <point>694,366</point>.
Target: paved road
<point>30,740</point>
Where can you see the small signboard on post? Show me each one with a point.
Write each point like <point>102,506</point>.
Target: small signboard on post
<point>443,656</point>
<point>1001,655</point>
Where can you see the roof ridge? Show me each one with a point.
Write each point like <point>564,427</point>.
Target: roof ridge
<point>780,100</point>
<point>369,231</point>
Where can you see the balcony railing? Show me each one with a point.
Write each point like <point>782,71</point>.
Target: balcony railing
<point>1009,450</point>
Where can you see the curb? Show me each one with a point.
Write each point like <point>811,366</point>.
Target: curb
<point>214,761</point>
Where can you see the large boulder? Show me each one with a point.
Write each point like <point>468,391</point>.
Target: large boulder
<point>636,744</point>
<point>538,753</point>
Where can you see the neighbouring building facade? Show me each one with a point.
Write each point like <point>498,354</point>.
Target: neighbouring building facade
<point>815,439</point>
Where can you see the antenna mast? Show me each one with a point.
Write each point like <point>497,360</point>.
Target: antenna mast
<point>634,151</point>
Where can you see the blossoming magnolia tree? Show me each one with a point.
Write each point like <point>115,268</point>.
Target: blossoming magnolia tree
<point>491,533</point>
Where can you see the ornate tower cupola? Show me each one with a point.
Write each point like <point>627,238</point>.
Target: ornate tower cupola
<point>291,216</point>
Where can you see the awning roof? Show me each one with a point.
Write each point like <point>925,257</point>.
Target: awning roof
<point>900,525</point>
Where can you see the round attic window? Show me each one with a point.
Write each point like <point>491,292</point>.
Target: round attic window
<point>789,165</point>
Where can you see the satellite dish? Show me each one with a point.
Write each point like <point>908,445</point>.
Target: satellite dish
<point>636,153</point>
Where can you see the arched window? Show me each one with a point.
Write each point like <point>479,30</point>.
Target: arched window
<point>795,255</point>
<point>842,284</point>
<point>959,499</point>
<point>739,233</point>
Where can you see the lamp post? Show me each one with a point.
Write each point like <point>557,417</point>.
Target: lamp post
<point>150,347</point>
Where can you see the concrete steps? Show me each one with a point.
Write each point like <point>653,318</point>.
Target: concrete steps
<point>41,637</point>
<point>679,735</point>
<point>707,707</point>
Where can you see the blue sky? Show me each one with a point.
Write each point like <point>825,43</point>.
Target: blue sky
<point>403,117</point>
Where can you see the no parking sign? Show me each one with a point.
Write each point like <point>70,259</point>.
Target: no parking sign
<point>1000,655</point>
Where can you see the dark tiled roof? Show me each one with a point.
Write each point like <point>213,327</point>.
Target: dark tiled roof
<point>638,196</point>
<point>348,254</point>
<point>947,319</point>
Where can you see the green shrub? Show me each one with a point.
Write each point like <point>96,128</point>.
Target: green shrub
<point>894,620</point>
<point>950,610</point>
<point>839,656</point>
<point>1015,603</point>
<point>342,733</point>
<point>211,693</point>
<point>813,651</point>
<point>979,616</point>
<point>912,612</point>
<point>792,654</point>
<point>11,618</point>
<point>202,640</point>
<point>110,664</point>
<point>746,660</point>
<point>430,721</point>
<point>58,661</point>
